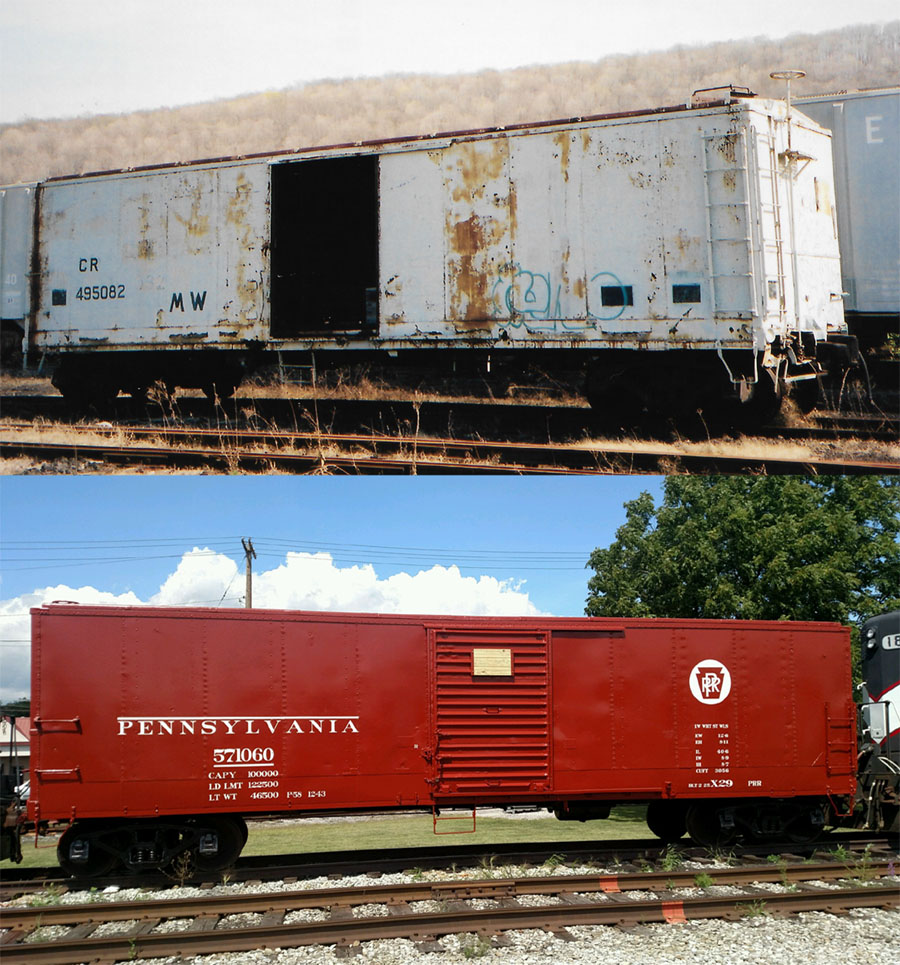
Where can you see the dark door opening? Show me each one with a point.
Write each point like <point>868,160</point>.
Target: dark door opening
<point>325,246</point>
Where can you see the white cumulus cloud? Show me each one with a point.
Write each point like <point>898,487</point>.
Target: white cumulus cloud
<point>202,577</point>
<point>15,630</point>
<point>308,581</point>
<point>303,581</point>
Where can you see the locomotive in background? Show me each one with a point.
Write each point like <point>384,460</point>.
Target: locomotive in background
<point>672,258</point>
<point>154,731</point>
<point>878,794</point>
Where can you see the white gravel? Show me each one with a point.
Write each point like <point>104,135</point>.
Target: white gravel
<point>864,937</point>
<point>371,911</point>
<point>305,914</point>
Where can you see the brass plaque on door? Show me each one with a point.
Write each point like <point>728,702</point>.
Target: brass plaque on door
<point>492,663</point>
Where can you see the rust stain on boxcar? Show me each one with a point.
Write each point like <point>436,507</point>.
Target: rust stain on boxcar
<point>683,241</point>
<point>479,224</point>
<point>824,197</point>
<point>196,225</point>
<point>477,168</point>
<point>727,147</point>
<point>564,268</point>
<point>145,244</point>
<point>237,214</point>
<point>467,281</point>
<point>564,143</point>
<point>579,286</point>
<point>239,203</point>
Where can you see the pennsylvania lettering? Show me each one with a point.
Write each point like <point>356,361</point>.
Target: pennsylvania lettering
<point>238,726</point>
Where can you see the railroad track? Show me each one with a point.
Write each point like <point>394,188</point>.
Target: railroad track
<point>535,421</point>
<point>305,452</point>
<point>488,906</point>
<point>376,862</point>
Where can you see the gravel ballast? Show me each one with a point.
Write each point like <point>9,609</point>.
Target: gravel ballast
<point>863,936</point>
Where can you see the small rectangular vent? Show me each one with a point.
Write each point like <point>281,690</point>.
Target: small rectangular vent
<point>685,294</point>
<point>613,295</point>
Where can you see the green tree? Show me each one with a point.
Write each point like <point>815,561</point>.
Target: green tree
<point>762,548</point>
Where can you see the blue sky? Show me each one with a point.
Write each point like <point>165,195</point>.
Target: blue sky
<point>539,531</point>
<point>411,544</point>
<point>64,59</point>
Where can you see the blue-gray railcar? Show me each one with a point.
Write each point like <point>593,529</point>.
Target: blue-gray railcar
<point>865,126</point>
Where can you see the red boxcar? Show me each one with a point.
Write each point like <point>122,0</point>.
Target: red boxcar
<point>725,727</point>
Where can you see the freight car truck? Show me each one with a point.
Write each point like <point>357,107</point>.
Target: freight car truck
<point>156,730</point>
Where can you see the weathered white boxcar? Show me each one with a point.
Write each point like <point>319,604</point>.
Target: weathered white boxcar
<point>677,252</point>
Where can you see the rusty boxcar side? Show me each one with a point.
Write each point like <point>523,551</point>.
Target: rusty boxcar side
<point>143,713</point>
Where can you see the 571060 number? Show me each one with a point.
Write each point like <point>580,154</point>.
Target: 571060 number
<point>224,756</point>
<point>100,293</point>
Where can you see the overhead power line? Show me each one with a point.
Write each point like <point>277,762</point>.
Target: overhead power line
<point>27,556</point>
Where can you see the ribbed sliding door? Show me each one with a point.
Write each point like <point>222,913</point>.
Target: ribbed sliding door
<point>491,711</point>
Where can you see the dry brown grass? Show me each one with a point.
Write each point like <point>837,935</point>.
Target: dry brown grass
<point>611,455</point>
<point>369,389</point>
<point>96,433</point>
<point>14,383</point>
<point>341,387</point>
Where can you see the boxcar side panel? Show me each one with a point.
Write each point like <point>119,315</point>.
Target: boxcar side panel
<point>411,252</point>
<point>197,712</point>
<point>175,258</point>
<point>703,710</point>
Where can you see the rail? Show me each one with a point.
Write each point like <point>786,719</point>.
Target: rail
<point>593,899</point>
<point>352,453</point>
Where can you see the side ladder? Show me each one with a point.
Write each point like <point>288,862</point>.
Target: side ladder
<point>771,230</point>
<point>729,224</point>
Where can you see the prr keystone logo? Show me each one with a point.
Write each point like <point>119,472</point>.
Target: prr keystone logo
<point>710,682</point>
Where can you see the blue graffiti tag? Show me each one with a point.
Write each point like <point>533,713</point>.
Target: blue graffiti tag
<point>525,297</point>
<point>526,294</point>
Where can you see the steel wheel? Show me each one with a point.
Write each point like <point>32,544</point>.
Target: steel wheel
<point>702,823</point>
<point>230,835</point>
<point>666,820</point>
<point>81,852</point>
<point>802,830</point>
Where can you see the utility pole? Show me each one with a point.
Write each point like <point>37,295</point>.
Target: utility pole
<point>249,556</point>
